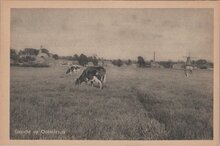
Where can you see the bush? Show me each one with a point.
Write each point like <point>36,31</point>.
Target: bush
<point>75,57</point>
<point>166,64</point>
<point>204,64</point>
<point>13,55</point>
<point>26,59</point>
<point>129,62</point>
<point>55,56</point>
<point>29,51</point>
<point>118,62</point>
<point>95,61</point>
<point>203,67</point>
<point>83,60</point>
<point>141,62</point>
<point>43,50</point>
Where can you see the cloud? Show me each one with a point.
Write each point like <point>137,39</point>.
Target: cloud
<point>123,33</point>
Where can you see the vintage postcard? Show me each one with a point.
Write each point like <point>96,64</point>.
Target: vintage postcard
<point>109,72</point>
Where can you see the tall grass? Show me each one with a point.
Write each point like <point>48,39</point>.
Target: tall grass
<point>189,119</point>
<point>136,104</point>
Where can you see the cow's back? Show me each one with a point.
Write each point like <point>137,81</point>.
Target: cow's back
<point>97,71</point>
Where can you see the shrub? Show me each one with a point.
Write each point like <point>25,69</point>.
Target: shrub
<point>55,56</point>
<point>166,64</point>
<point>30,51</point>
<point>141,62</point>
<point>75,57</point>
<point>129,62</point>
<point>83,60</point>
<point>43,50</point>
<point>95,61</point>
<point>118,62</point>
<point>203,67</point>
<point>26,59</point>
<point>13,55</point>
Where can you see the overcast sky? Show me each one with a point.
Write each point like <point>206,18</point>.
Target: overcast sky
<point>116,33</point>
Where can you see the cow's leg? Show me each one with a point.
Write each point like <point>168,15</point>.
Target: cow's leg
<point>92,83</point>
<point>104,78</point>
<point>100,85</point>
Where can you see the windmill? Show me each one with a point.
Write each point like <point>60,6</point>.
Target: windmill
<point>188,60</point>
<point>188,68</point>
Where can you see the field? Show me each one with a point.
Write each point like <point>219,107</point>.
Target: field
<point>135,104</point>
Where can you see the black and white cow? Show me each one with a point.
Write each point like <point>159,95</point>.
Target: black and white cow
<point>93,74</point>
<point>72,69</point>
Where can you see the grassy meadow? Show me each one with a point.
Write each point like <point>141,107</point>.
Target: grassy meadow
<point>135,104</point>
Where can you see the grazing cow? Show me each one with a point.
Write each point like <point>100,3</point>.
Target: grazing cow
<point>93,74</point>
<point>72,69</point>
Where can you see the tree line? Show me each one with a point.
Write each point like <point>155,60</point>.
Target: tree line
<point>140,62</point>
<point>29,54</point>
<point>82,59</point>
<point>201,63</point>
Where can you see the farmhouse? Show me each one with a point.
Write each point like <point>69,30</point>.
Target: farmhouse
<point>42,55</point>
<point>155,65</point>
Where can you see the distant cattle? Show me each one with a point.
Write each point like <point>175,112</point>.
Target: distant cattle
<point>93,74</point>
<point>73,69</point>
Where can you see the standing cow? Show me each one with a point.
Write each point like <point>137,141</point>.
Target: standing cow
<point>93,74</point>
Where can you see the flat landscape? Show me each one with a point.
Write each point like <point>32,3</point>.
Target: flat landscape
<point>135,104</point>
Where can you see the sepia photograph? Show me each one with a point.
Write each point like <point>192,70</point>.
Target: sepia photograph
<point>123,73</point>
<point>111,74</point>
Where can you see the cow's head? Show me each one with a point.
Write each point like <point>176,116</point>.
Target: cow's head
<point>80,80</point>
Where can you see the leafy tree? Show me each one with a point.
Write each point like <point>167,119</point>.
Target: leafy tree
<point>95,61</point>
<point>166,64</point>
<point>211,64</point>
<point>30,51</point>
<point>55,56</point>
<point>129,62</point>
<point>201,62</point>
<point>26,59</point>
<point>118,62</point>
<point>76,57</point>
<point>13,55</point>
<point>83,60</point>
<point>43,50</point>
<point>141,62</point>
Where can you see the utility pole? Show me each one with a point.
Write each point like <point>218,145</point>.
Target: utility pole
<point>154,56</point>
